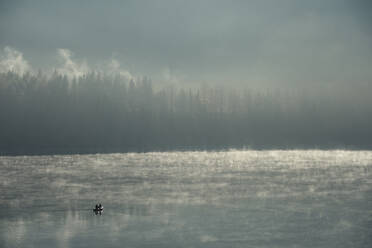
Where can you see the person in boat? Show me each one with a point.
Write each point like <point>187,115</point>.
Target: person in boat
<point>98,207</point>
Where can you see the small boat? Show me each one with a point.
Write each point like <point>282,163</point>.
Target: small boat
<point>98,210</point>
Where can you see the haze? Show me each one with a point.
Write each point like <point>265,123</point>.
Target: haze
<point>255,43</point>
<point>93,76</point>
<point>193,123</point>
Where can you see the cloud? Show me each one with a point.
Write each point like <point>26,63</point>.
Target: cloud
<point>113,68</point>
<point>13,61</point>
<point>71,68</point>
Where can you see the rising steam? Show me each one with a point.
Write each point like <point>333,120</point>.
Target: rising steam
<point>12,60</point>
<point>71,68</point>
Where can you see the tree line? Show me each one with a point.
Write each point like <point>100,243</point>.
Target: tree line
<point>101,113</point>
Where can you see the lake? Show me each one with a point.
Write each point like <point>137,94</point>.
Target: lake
<point>295,198</point>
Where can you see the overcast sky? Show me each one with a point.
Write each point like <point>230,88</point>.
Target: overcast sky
<point>263,42</point>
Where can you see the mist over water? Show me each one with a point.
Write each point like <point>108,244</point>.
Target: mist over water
<point>298,198</point>
<point>98,113</point>
<point>194,123</point>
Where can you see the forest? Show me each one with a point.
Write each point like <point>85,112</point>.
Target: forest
<point>97,113</point>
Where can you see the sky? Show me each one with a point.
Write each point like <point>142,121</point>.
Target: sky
<point>267,43</point>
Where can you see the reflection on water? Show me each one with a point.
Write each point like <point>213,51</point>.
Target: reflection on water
<point>188,199</point>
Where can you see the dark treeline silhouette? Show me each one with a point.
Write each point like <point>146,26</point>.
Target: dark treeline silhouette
<point>98,113</point>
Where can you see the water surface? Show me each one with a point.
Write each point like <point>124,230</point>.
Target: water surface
<point>188,199</point>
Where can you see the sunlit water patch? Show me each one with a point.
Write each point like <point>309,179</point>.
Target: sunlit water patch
<point>188,199</point>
